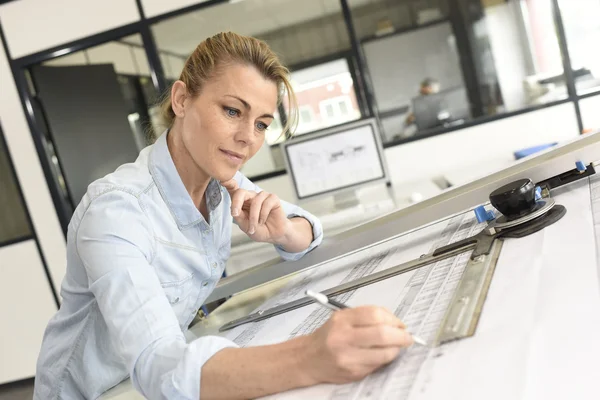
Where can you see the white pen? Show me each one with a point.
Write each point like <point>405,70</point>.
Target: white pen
<point>334,305</point>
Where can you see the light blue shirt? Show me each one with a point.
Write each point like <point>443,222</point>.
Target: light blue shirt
<point>141,260</point>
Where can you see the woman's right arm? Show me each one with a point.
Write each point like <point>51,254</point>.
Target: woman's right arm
<point>115,242</point>
<point>350,345</point>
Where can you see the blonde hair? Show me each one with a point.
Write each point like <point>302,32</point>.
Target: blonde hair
<point>229,47</point>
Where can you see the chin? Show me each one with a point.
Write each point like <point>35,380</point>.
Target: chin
<point>225,173</point>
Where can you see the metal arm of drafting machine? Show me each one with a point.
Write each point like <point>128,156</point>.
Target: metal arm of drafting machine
<point>541,167</point>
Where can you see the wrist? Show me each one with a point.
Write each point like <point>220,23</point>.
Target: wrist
<point>305,360</point>
<point>288,234</point>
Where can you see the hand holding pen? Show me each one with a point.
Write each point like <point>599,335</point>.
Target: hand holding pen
<point>335,305</point>
<point>353,342</point>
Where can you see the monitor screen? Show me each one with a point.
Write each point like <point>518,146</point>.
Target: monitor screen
<point>338,158</point>
<point>439,109</point>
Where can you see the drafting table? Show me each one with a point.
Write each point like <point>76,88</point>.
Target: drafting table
<point>538,333</point>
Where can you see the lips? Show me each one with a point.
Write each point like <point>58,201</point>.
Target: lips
<point>234,157</point>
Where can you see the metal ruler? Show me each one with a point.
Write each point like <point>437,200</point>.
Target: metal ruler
<point>465,308</point>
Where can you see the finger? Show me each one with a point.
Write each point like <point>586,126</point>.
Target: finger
<point>381,336</point>
<point>231,185</point>
<point>255,209</point>
<point>271,203</point>
<point>237,201</point>
<point>371,315</point>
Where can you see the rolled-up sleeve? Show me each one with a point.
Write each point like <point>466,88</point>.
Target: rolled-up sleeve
<point>291,210</point>
<point>116,245</point>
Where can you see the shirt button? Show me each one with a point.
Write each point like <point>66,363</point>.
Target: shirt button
<point>205,284</point>
<point>214,265</point>
<point>176,300</point>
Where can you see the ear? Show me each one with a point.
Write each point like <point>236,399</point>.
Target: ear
<point>178,97</point>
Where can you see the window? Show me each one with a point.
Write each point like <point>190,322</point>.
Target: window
<point>405,43</point>
<point>306,115</point>
<point>492,57</point>
<point>310,36</point>
<point>107,115</point>
<point>581,20</point>
<point>337,110</point>
<point>320,88</point>
<point>13,217</point>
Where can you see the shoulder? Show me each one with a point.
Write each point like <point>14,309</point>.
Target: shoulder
<point>111,217</point>
<point>132,177</point>
<point>111,222</point>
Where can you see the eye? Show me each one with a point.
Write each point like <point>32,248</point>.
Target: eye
<point>261,126</point>
<point>231,112</point>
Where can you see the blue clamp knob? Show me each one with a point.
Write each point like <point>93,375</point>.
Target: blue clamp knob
<point>580,166</point>
<point>483,215</point>
<point>538,193</point>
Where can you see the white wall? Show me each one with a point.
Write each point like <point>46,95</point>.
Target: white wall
<point>153,8</point>
<point>30,174</point>
<point>35,25</point>
<point>27,305</point>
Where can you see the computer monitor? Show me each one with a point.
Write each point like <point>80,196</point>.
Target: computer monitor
<point>336,161</point>
<point>448,107</point>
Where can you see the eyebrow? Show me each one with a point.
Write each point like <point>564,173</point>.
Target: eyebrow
<point>248,107</point>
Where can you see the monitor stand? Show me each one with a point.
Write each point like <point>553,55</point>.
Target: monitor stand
<point>345,199</point>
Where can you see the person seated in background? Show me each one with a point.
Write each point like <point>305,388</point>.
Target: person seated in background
<point>148,243</point>
<point>428,86</point>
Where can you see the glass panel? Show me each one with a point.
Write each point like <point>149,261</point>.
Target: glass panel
<point>589,113</point>
<point>299,31</point>
<point>525,54</point>
<point>103,120</point>
<point>310,37</point>
<point>406,44</point>
<point>13,217</point>
<point>435,67</point>
<point>581,20</point>
<point>323,87</point>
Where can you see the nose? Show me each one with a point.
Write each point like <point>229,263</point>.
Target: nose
<point>245,134</point>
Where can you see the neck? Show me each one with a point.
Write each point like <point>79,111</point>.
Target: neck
<point>194,179</point>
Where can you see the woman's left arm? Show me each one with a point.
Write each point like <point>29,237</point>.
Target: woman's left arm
<point>266,218</point>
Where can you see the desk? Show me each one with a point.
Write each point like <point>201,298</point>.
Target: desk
<point>528,358</point>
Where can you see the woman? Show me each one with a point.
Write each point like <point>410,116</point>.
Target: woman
<point>148,243</point>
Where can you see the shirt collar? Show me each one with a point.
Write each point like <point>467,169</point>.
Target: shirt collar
<point>171,187</point>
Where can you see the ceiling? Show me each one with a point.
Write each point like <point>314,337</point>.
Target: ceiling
<point>248,17</point>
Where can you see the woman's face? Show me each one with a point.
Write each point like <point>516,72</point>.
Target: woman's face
<point>224,125</point>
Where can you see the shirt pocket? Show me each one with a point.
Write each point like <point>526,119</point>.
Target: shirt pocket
<point>179,294</point>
